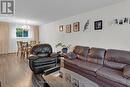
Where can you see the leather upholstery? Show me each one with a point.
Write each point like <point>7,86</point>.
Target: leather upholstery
<point>74,62</point>
<point>126,71</point>
<point>42,50</point>
<point>43,59</point>
<point>90,67</point>
<point>111,74</point>
<point>71,55</point>
<point>81,52</point>
<point>109,66</point>
<point>96,55</point>
<point>118,56</point>
<point>128,82</point>
<point>114,65</point>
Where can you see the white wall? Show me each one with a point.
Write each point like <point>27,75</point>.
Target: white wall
<point>13,39</point>
<point>112,36</point>
<point>49,34</point>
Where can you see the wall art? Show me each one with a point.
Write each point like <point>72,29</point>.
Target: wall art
<point>126,20</point>
<point>76,26</point>
<point>86,25</point>
<point>61,28</point>
<point>121,21</point>
<point>98,25</point>
<point>68,28</point>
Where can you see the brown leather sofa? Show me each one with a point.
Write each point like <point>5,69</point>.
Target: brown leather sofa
<point>108,68</point>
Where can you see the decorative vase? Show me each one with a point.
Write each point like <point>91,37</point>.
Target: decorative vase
<point>64,50</point>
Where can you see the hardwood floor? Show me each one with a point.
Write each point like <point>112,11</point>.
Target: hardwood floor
<point>15,72</point>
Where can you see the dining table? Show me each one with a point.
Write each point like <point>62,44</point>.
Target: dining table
<point>27,47</point>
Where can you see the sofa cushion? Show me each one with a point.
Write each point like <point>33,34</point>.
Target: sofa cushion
<point>126,71</point>
<point>96,61</point>
<point>75,62</point>
<point>111,74</point>
<point>96,55</point>
<point>114,65</point>
<point>81,52</point>
<point>89,67</point>
<point>118,56</point>
<point>128,82</point>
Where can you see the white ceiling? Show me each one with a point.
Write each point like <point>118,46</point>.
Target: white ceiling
<point>47,11</point>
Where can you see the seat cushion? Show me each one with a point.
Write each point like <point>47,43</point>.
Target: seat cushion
<point>89,67</point>
<point>128,82</point>
<point>96,55</point>
<point>74,62</point>
<point>126,71</point>
<point>111,74</point>
<point>114,65</point>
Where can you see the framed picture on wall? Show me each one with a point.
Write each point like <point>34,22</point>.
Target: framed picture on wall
<point>76,26</point>
<point>68,28</point>
<point>98,25</point>
<point>61,28</point>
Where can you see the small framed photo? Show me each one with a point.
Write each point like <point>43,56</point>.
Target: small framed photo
<point>75,82</point>
<point>126,20</point>
<point>61,28</point>
<point>68,28</point>
<point>98,25</point>
<point>76,26</point>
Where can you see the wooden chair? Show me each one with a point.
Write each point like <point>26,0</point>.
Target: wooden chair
<point>37,42</point>
<point>24,49</point>
<point>32,43</point>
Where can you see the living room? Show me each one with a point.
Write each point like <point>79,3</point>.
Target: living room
<point>92,32</point>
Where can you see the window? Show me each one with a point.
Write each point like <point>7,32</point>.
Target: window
<point>22,32</point>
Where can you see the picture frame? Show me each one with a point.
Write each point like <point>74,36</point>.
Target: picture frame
<point>98,25</point>
<point>86,25</point>
<point>76,26</point>
<point>75,82</point>
<point>61,28</point>
<point>68,28</point>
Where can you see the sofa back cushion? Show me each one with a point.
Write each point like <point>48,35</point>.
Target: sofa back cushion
<point>96,55</point>
<point>81,52</point>
<point>117,59</point>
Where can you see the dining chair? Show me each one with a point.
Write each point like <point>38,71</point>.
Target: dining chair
<point>24,49</point>
<point>32,43</point>
<point>19,47</point>
<point>37,42</point>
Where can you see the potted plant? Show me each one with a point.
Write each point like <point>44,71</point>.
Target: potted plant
<point>64,47</point>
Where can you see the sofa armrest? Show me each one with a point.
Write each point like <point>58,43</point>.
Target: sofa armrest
<point>55,55</point>
<point>126,71</point>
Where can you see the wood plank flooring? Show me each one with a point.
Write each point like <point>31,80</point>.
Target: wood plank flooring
<point>15,72</point>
